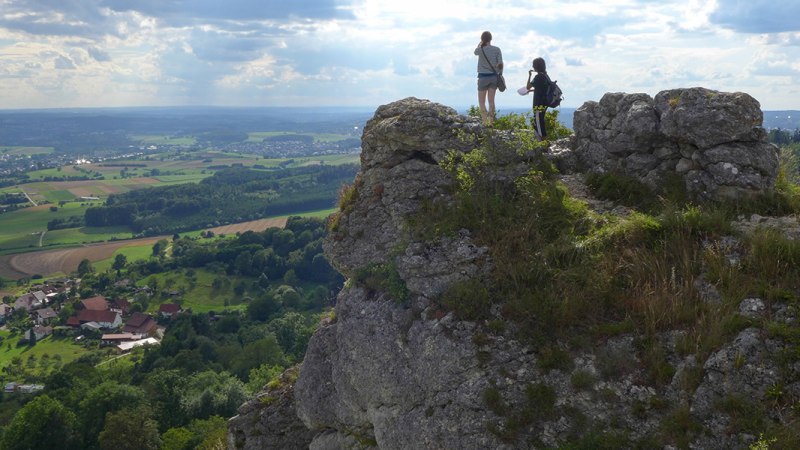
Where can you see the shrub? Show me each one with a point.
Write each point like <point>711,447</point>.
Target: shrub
<point>383,277</point>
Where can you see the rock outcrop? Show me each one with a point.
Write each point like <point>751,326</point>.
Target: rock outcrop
<point>712,140</point>
<point>400,373</point>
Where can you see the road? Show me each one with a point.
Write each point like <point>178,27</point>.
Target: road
<point>29,197</point>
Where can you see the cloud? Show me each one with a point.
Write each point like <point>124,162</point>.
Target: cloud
<point>179,11</point>
<point>56,17</point>
<point>758,16</point>
<point>99,55</point>
<point>64,63</point>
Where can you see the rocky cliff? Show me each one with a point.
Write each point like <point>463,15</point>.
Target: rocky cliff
<point>395,369</point>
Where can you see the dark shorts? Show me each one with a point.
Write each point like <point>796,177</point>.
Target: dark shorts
<point>485,83</point>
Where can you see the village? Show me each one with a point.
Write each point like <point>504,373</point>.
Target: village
<point>98,322</point>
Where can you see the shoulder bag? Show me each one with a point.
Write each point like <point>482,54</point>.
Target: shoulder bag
<point>501,82</point>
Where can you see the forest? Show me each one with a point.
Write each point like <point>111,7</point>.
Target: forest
<point>229,196</point>
<point>178,395</point>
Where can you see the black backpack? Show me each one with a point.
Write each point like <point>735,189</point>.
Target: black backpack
<point>553,96</point>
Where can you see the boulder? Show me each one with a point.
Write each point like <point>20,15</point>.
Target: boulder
<point>712,140</point>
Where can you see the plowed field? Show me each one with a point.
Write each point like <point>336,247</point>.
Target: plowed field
<point>66,260</point>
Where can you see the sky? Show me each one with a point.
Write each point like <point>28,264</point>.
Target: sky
<point>120,53</point>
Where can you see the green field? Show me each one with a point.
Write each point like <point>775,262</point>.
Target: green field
<point>148,139</point>
<point>197,289</point>
<point>259,136</point>
<point>85,235</point>
<point>50,346</point>
<point>26,151</point>
<point>20,229</point>
<point>132,253</point>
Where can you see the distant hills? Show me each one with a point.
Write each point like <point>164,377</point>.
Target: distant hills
<point>785,120</point>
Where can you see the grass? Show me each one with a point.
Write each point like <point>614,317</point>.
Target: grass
<point>259,136</point>
<point>20,229</point>
<point>149,139</point>
<point>132,253</point>
<point>51,346</point>
<point>199,292</point>
<point>562,274</point>
<point>26,151</point>
<point>173,169</point>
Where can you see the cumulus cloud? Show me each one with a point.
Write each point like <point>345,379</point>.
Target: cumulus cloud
<point>179,11</point>
<point>63,63</point>
<point>98,54</point>
<point>758,16</point>
<point>56,17</point>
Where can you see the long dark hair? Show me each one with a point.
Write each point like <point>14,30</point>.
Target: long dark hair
<point>539,65</point>
<point>486,37</point>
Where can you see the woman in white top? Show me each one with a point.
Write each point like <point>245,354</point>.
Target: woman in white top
<point>488,56</point>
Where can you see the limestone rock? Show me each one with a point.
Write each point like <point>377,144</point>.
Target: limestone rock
<point>713,140</point>
<point>269,420</point>
<point>399,373</point>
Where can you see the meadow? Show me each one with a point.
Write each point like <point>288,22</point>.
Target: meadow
<point>48,353</point>
<point>21,230</point>
<point>25,151</point>
<point>61,261</point>
<point>156,170</point>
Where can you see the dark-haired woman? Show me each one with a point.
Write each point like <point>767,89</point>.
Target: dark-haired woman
<point>539,88</point>
<point>490,63</point>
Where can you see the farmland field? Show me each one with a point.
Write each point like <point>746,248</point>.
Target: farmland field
<point>26,150</point>
<point>64,261</point>
<point>21,229</point>
<point>199,293</point>
<point>142,173</point>
<point>64,347</point>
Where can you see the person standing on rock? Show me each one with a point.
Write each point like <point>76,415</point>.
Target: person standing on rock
<point>490,64</point>
<point>539,88</point>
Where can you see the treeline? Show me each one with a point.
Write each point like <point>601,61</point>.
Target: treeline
<point>229,196</point>
<point>12,199</point>
<point>784,137</point>
<point>291,253</point>
<point>64,223</point>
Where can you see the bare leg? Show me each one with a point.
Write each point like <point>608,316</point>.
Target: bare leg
<point>492,111</point>
<point>482,105</point>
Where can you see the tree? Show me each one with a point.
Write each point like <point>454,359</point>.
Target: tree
<point>130,430</point>
<point>42,424</point>
<point>106,397</point>
<point>85,268</point>
<point>160,247</point>
<point>119,263</point>
<point>262,308</point>
<point>177,439</point>
<point>209,393</point>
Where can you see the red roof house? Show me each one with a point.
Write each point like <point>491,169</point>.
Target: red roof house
<point>106,319</point>
<point>140,323</point>
<point>169,309</point>
<point>98,303</point>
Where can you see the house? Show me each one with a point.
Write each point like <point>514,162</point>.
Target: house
<point>121,306</point>
<point>169,309</point>
<point>5,312</point>
<point>39,332</point>
<point>105,319</point>
<point>140,323</point>
<point>127,346</point>
<point>30,301</point>
<point>117,338</point>
<point>45,315</point>
<point>98,303</point>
